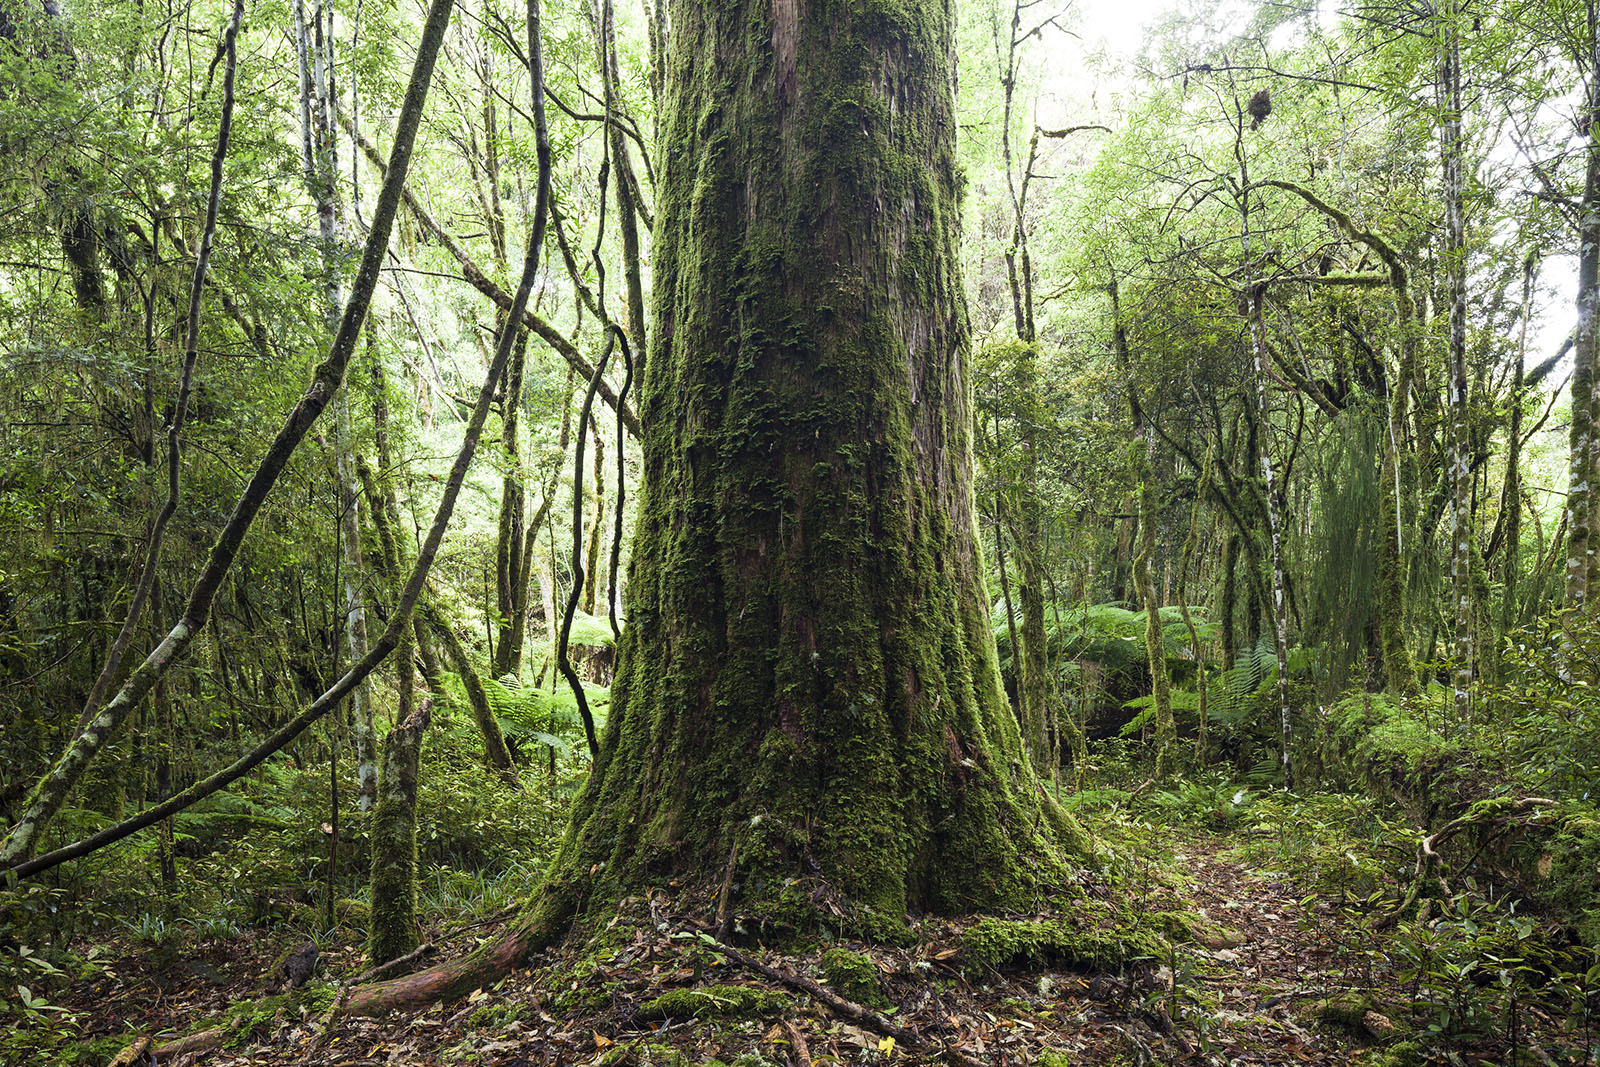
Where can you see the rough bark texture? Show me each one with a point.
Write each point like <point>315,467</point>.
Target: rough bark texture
<point>808,681</point>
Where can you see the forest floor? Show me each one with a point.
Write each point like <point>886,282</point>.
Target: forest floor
<point>1257,992</point>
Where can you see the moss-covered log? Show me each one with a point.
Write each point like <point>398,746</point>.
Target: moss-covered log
<point>808,683</point>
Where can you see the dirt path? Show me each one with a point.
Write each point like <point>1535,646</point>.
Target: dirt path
<point>1288,958</point>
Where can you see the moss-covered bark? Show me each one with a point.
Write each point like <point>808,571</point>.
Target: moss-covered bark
<point>495,752</point>
<point>511,579</point>
<point>1166,732</point>
<point>1581,557</point>
<point>392,929</point>
<point>808,682</point>
<point>1034,686</point>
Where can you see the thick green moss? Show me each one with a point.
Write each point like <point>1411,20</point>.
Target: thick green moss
<point>1402,1054</point>
<point>245,1020</point>
<point>88,1053</point>
<point>1187,927</point>
<point>1349,1010</point>
<point>645,1055</point>
<point>1038,942</point>
<point>716,1001</point>
<point>854,977</point>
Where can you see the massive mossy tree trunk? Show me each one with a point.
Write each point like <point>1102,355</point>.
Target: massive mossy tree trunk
<point>808,682</point>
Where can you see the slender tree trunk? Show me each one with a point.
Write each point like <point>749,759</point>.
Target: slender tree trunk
<point>319,157</point>
<point>1036,685</point>
<point>496,754</point>
<point>1581,492</point>
<point>1455,255</point>
<point>1511,493</point>
<point>627,183</point>
<point>161,701</point>
<point>1280,621</point>
<point>1005,583</point>
<point>392,931</point>
<point>1155,653</point>
<point>597,529</point>
<point>1229,607</point>
<point>511,579</point>
<point>1254,306</point>
<point>1191,545</point>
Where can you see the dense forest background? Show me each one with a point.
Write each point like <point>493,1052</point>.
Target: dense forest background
<point>1282,406</point>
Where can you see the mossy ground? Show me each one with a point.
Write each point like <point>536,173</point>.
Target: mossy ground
<point>1186,939</point>
<point>248,1019</point>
